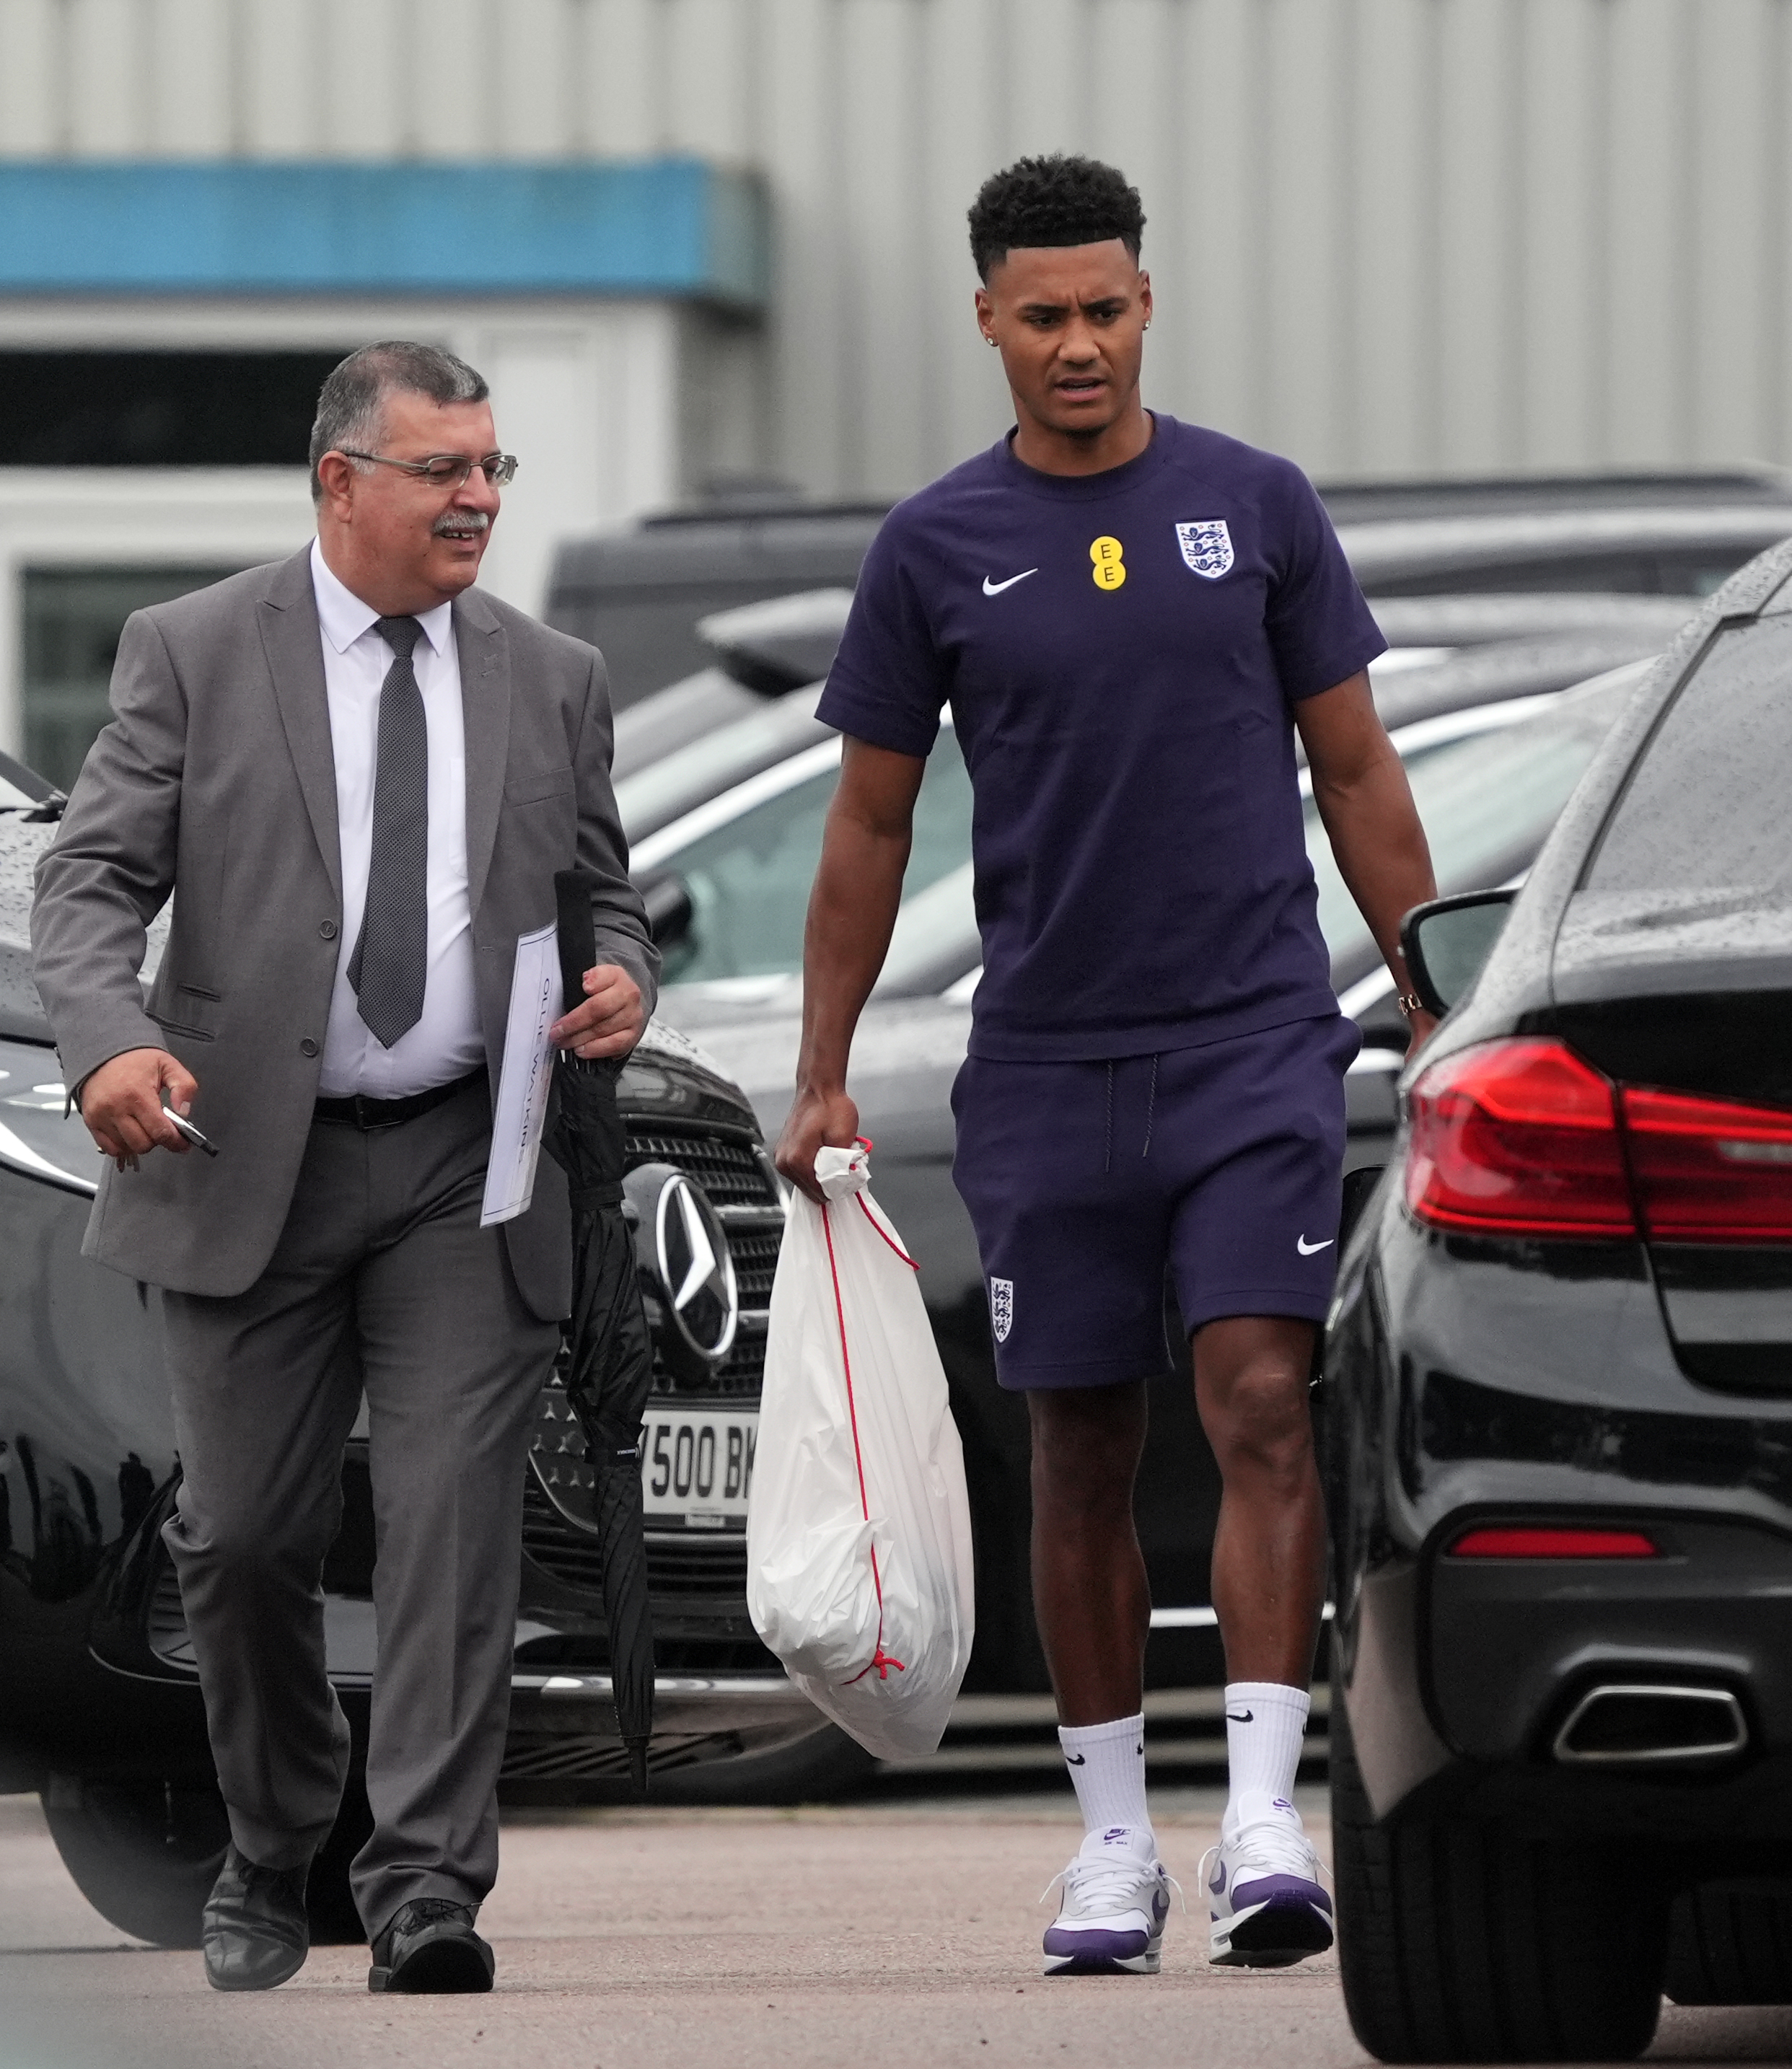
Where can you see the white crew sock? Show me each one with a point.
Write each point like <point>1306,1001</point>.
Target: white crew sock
<point>1107,1768</point>
<point>1265,1723</point>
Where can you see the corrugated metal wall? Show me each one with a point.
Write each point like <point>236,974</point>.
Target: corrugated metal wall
<point>1386,235</point>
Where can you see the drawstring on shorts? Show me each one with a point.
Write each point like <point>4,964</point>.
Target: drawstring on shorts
<point>1150,1117</point>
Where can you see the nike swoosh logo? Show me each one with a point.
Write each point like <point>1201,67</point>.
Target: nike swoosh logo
<point>995,588</point>
<point>1312,1249</point>
<point>1244,1720</point>
<point>1074,1760</point>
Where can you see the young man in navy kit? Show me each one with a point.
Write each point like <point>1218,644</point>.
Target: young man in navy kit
<point>1131,617</point>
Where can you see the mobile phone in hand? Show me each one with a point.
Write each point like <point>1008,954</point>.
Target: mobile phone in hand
<point>185,1127</point>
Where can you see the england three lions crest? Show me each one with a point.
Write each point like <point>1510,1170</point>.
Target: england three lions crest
<point>1002,1307</point>
<point>1206,546</point>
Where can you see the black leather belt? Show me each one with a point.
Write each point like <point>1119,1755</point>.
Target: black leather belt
<point>366,1114</point>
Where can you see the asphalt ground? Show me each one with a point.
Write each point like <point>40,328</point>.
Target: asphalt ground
<point>881,1932</point>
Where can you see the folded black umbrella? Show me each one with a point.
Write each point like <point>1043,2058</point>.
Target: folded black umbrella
<point>610,1364</point>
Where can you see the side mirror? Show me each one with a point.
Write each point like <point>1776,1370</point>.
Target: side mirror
<point>1446,941</point>
<point>670,911</point>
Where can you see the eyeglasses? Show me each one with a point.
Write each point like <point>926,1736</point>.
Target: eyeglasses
<point>445,470</point>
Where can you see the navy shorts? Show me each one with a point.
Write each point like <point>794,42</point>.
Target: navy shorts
<point>1086,1182</point>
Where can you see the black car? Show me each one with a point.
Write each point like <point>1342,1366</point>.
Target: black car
<point>100,1702</point>
<point>1558,1412</point>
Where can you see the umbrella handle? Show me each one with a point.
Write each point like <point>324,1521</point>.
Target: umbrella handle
<point>576,931</point>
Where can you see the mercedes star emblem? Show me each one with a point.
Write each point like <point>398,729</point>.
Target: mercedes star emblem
<point>688,1268</point>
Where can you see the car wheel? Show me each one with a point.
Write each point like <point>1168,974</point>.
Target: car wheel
<point>824,1765</point>
<point>1731,1943</point>
<point>1460,1940</point>
<point>145,1855</point>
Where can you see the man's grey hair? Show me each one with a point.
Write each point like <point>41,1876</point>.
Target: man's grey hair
<point>351,405</point>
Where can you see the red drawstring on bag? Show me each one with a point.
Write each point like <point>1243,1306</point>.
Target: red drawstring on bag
<point>880,1659</point>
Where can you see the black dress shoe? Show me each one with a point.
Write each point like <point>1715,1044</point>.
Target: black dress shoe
<point>430,1945</point>
<point>256,1933</point>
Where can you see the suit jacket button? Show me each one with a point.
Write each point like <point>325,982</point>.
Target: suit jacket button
<point>328,928</point>
<point>308,1047</point>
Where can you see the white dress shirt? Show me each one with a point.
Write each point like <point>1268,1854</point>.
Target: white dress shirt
<point>446,1042</point>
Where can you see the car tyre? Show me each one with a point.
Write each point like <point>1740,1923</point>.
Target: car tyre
<point>1730,1943</point>
<point>1464,1941</point>
<point>145,1855</point>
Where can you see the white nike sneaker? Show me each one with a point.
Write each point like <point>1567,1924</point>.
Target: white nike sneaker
<point>1267,1905</point>
<point>1111,1916</point>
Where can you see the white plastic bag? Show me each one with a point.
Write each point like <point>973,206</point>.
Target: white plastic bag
<point>859,1545</point>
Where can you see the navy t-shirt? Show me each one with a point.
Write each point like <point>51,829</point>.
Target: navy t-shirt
<point>1122,652</point>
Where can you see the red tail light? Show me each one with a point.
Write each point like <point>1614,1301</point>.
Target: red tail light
<point>1708,1171</point>
<point>1517,1138</point>
<point>1545,1542</point>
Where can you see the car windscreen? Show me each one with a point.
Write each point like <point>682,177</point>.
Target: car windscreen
<point>750,878</point>
<point>1486,799</point>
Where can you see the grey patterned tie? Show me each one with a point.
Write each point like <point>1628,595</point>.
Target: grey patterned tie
<point>390,963</point>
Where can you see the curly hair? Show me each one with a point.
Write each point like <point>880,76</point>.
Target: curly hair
<point>1055,201</point>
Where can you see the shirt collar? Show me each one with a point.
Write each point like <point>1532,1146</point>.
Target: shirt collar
<point>345,617</point>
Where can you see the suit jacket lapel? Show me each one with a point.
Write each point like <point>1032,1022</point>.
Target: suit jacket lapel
<point>484,656</point>
<point>294,644</point>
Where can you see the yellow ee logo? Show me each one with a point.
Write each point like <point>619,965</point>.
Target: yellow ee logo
<point>1110,570</point>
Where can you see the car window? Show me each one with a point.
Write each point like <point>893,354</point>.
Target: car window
<point>1485,800</point>
<point>1704,813</point>
<point>749,879</point>
<point>657,793</point>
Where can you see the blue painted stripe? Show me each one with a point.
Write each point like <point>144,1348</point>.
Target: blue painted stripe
<point>669,227</point>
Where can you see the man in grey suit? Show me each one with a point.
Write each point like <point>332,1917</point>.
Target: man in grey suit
<point>359,773</point>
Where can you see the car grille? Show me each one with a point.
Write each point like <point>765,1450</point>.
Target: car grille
<point>738,1180</point>
<point>730,1171</point>
<point>535,1754</point>
<point>696,1585</point>
<point>704,1565</point>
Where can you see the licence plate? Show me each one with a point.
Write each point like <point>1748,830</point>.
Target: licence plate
<point>696,1464</point>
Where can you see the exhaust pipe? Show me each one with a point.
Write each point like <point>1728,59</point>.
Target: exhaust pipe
<point>1631,1723</point>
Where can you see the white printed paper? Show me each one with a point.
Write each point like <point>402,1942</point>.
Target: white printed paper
<point>527,1073</point>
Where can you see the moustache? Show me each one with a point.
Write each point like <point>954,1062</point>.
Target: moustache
<point>461,523</point>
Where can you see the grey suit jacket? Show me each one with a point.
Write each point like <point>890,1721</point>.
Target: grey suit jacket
<point>216,780</point>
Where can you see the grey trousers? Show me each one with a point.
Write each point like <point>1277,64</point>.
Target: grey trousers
<point>382,1282</point>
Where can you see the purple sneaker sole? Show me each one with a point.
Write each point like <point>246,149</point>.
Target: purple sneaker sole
<point>1099,1954</point>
